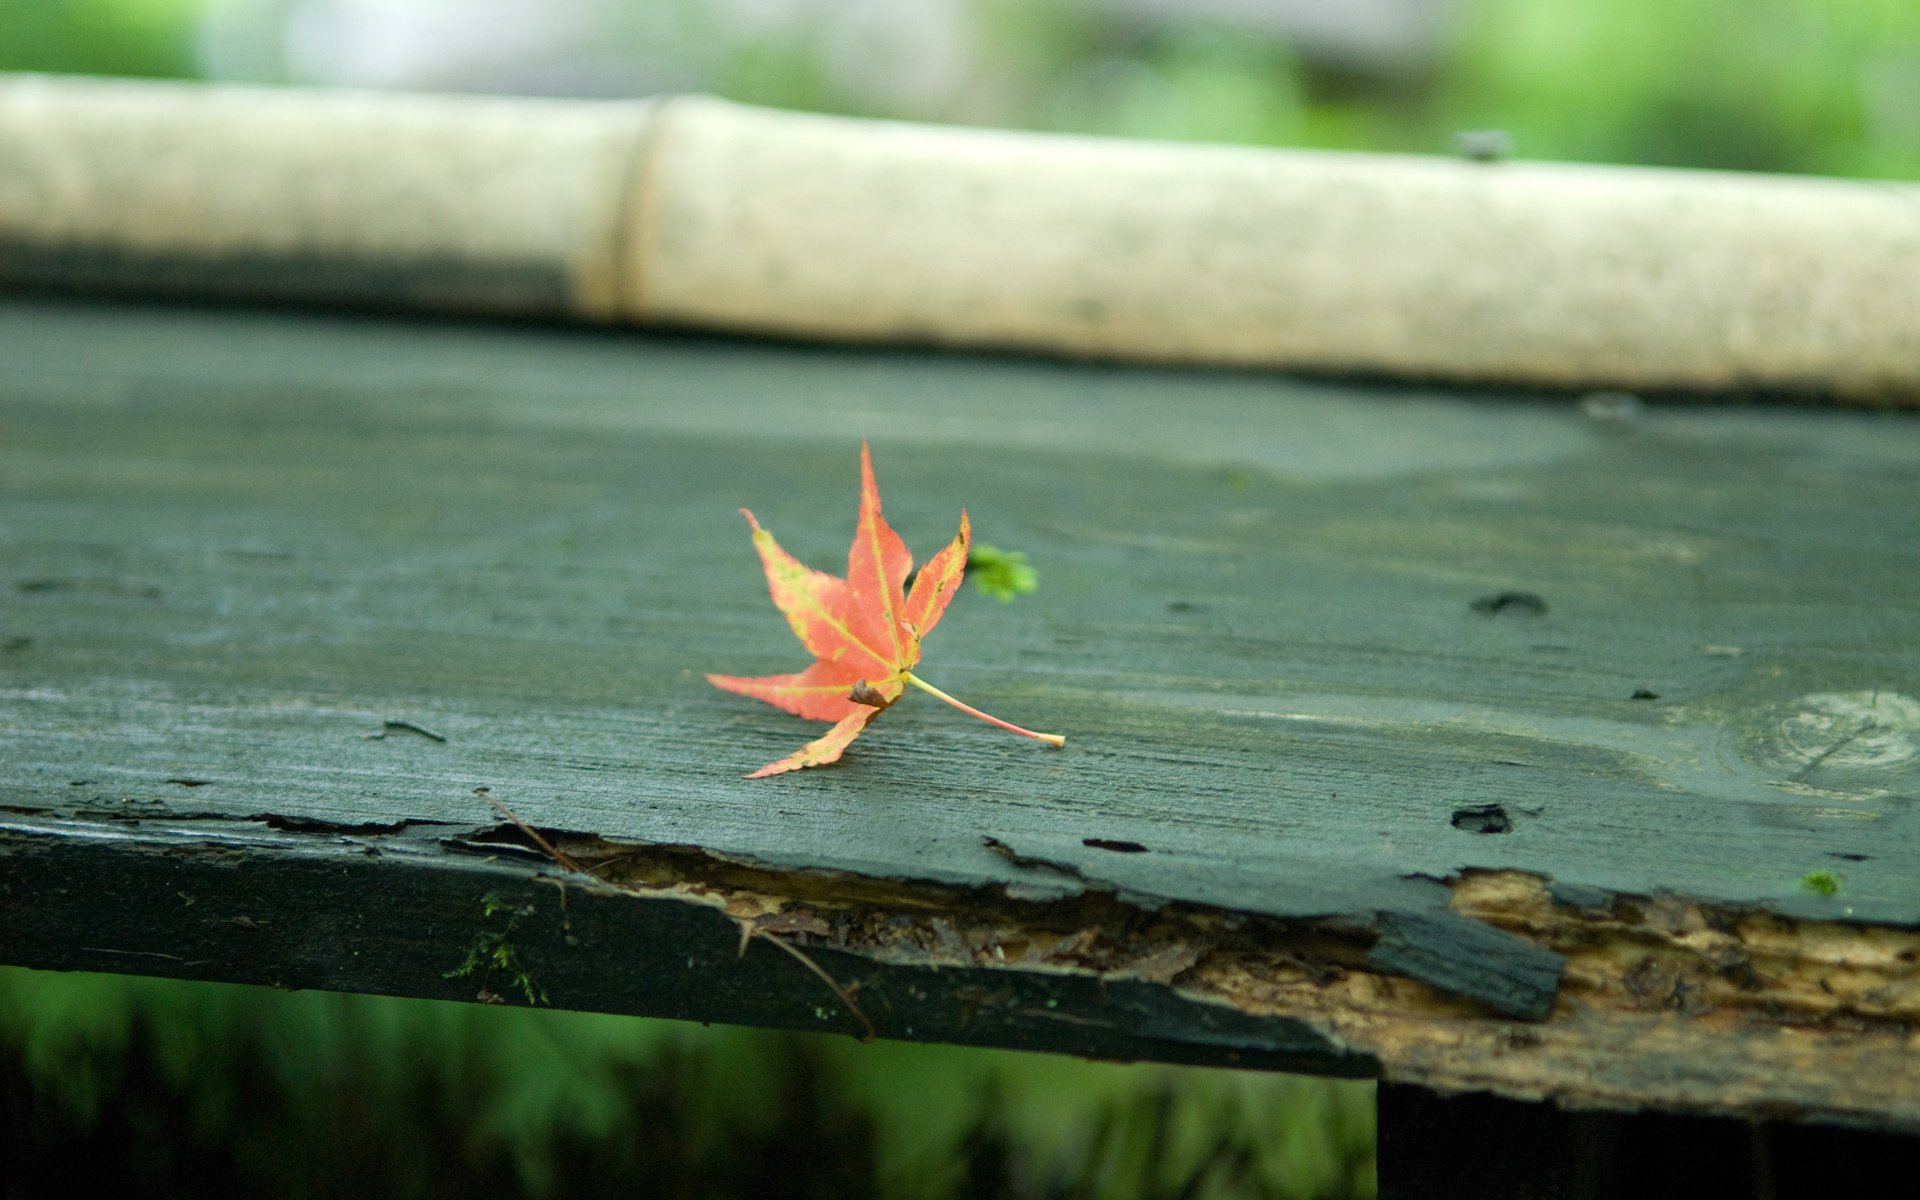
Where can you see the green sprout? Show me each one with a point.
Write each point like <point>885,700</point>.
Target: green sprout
<point>492,952</point>
<point>1821,883</point>
<point>1002,574</point>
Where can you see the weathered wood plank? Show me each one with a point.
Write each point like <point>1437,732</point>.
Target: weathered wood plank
<point>236,546</point>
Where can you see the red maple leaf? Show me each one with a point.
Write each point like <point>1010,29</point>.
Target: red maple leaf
<point>863,632</point>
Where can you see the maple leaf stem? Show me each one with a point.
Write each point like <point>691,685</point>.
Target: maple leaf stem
<point>1051,739</point>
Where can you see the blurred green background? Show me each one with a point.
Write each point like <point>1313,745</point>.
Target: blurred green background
<point>171,1088</point>
<point>1822,86</point>
<point>119,1085</point>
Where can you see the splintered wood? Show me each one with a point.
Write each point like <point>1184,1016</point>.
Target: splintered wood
<point>1710,1010</point>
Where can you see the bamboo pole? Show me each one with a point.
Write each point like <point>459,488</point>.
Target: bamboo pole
<point>694,211</point>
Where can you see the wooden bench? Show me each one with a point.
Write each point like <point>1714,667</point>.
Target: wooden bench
<point>1561,753</point>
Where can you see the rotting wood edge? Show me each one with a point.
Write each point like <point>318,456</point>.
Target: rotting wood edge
<point>1664,1002</point>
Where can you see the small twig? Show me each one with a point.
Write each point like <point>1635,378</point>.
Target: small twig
<point>747,931</point>
<point>1813,764</point>
<point>806,960</point>
<point>533,834</point>
<point>596,869</point>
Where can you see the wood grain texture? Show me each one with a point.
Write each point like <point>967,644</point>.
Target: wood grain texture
<point>237,549</point>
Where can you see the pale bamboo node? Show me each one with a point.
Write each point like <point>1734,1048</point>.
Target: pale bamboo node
<point>694,211</point>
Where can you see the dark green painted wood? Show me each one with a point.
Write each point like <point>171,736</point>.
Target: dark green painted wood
<point>235,544</point>
<point>241,553</point>
<point>401,912</point>
<point>1507,973</point>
